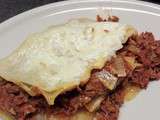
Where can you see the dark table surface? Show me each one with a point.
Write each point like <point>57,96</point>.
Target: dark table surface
<point>10,8</point>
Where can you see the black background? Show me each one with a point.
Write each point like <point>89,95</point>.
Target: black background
<point>10,8</point>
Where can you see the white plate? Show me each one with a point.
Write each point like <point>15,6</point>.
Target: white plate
<point>144,16</point>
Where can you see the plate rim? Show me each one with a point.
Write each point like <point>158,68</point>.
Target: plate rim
<point>69,2</point>
<point>20,16</point>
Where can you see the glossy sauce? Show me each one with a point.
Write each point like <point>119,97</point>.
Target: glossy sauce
<point>80,115</point>
<point>131,92</point>
<point>4,116</point>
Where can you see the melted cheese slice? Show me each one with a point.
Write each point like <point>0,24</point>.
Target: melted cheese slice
<point>62,57</point>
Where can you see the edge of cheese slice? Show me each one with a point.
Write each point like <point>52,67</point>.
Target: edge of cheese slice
<point>62,57</point>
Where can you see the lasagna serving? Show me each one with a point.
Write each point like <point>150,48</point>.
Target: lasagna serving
<point>80,70</point>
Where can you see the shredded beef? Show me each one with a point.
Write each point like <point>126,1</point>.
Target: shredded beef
<point>109,109</point>
<point>109,18</point>
<point>150,59</point>
<point>18,103</point>
<point>93,89</point>
<point>149,56</point>
<point>143,48</point>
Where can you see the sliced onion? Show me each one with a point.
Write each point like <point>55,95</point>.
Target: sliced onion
<point>82,115</point>
<point>95,104</point>
<point>108,80</point>
<point>132,62</point>
<point>133,49</point>
<point>119,67</point>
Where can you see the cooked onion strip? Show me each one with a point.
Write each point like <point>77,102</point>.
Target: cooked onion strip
<point>119,67</point>
<point>108,80</point>
<point>132,62</point>
<point>95,104</point>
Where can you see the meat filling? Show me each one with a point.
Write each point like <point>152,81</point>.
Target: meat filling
<point>140,58</point>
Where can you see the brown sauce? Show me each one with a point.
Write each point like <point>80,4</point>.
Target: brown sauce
<point>131,92</point>
<point>5,116</point>
<point>22,106</point>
